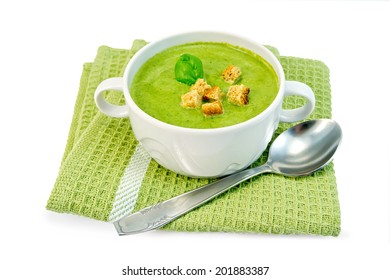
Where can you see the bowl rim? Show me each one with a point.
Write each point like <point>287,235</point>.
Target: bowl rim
<point>164,43</point>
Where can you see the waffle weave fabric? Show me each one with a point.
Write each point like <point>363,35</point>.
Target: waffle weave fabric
<point>106,175</point>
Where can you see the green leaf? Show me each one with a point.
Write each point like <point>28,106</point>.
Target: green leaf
<point>188,69</point>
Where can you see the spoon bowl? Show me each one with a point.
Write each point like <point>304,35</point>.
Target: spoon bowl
<point>305,148</point>
<point>298,151</point>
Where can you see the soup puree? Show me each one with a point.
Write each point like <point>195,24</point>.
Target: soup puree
<point>156,91</point>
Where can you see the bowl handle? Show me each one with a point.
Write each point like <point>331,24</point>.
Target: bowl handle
<point>116,111</point>
<point>298,89</point>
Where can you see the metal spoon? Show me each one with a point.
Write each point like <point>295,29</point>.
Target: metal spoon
<point>298,151</point>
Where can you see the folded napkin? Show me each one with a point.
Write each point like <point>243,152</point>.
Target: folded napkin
<point>105,174</point>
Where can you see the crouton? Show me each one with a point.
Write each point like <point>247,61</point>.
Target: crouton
<point>191,99</point>
<point>231,74</point>
<point>213,94</point>
<point>200,86</point>
<point>238,95</point>
<point>212,108</point>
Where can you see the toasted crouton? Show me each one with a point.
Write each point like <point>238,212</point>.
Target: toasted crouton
<point>213,94</point>
<point>213,108</point>
<point>231,74</point>
<point>238,95</point>
<point>191,99</point>
<point>200,86</point>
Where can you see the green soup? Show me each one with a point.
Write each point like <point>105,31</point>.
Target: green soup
<point>156,91</point>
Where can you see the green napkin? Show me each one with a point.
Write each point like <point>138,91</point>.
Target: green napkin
<point>105,174</point>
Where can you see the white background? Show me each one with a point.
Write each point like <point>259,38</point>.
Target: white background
<point>43,47</point>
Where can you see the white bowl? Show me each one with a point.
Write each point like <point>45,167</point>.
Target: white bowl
<point>204,152</point>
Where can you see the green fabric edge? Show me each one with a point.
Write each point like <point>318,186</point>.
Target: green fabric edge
<point>66,199</point>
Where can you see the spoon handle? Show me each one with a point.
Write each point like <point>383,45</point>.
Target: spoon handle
<point>162,213</point>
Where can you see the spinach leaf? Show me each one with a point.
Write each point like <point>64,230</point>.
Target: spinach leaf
<point>188,69</point>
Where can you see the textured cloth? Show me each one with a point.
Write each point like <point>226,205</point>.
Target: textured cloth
<point>105,174</point>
